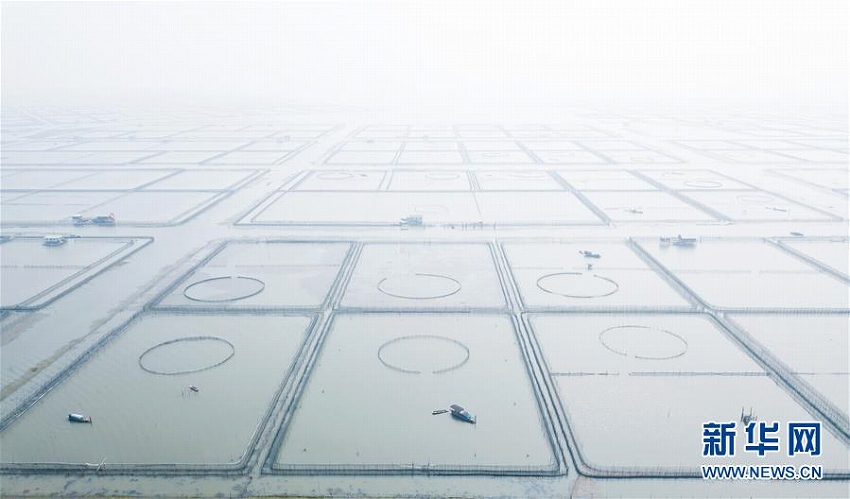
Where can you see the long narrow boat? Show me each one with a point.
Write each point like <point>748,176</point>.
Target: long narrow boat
<point>78,418</point>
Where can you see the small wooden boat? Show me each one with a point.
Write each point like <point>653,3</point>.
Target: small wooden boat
<point>590,254</point>
<point>462,414</point>
<point>78,418</point>
<point>194,388</point>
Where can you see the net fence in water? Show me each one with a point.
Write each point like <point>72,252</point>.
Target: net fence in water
<point>186,355</point>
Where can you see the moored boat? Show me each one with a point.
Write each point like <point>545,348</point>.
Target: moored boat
<point>678,241</point>
<point>53,240</point>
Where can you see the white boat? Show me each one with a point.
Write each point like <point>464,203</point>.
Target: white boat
<point>53,240</point>
<point>678,241</point>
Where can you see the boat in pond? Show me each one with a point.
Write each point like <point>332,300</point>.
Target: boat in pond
<point>589,254</point>
<point>462,414</point>
<point>678,241</point>
<point>78,418</point>
<point>53,240</point>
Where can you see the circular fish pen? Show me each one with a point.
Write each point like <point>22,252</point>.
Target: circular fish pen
<point>643,342</point>
<point>186,355</point>
<point>224,289</point>
<point>577,285</point>
<point>416,354</point>
<point>419,286</point>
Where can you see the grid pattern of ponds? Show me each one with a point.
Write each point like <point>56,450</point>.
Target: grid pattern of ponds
<point>536,293</point>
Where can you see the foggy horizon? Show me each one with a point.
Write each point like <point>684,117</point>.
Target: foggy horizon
<point>421,54</point>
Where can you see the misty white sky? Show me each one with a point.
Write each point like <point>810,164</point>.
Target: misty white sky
<point>357,52</point>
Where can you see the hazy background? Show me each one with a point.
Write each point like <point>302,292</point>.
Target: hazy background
<point>425,52</point>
